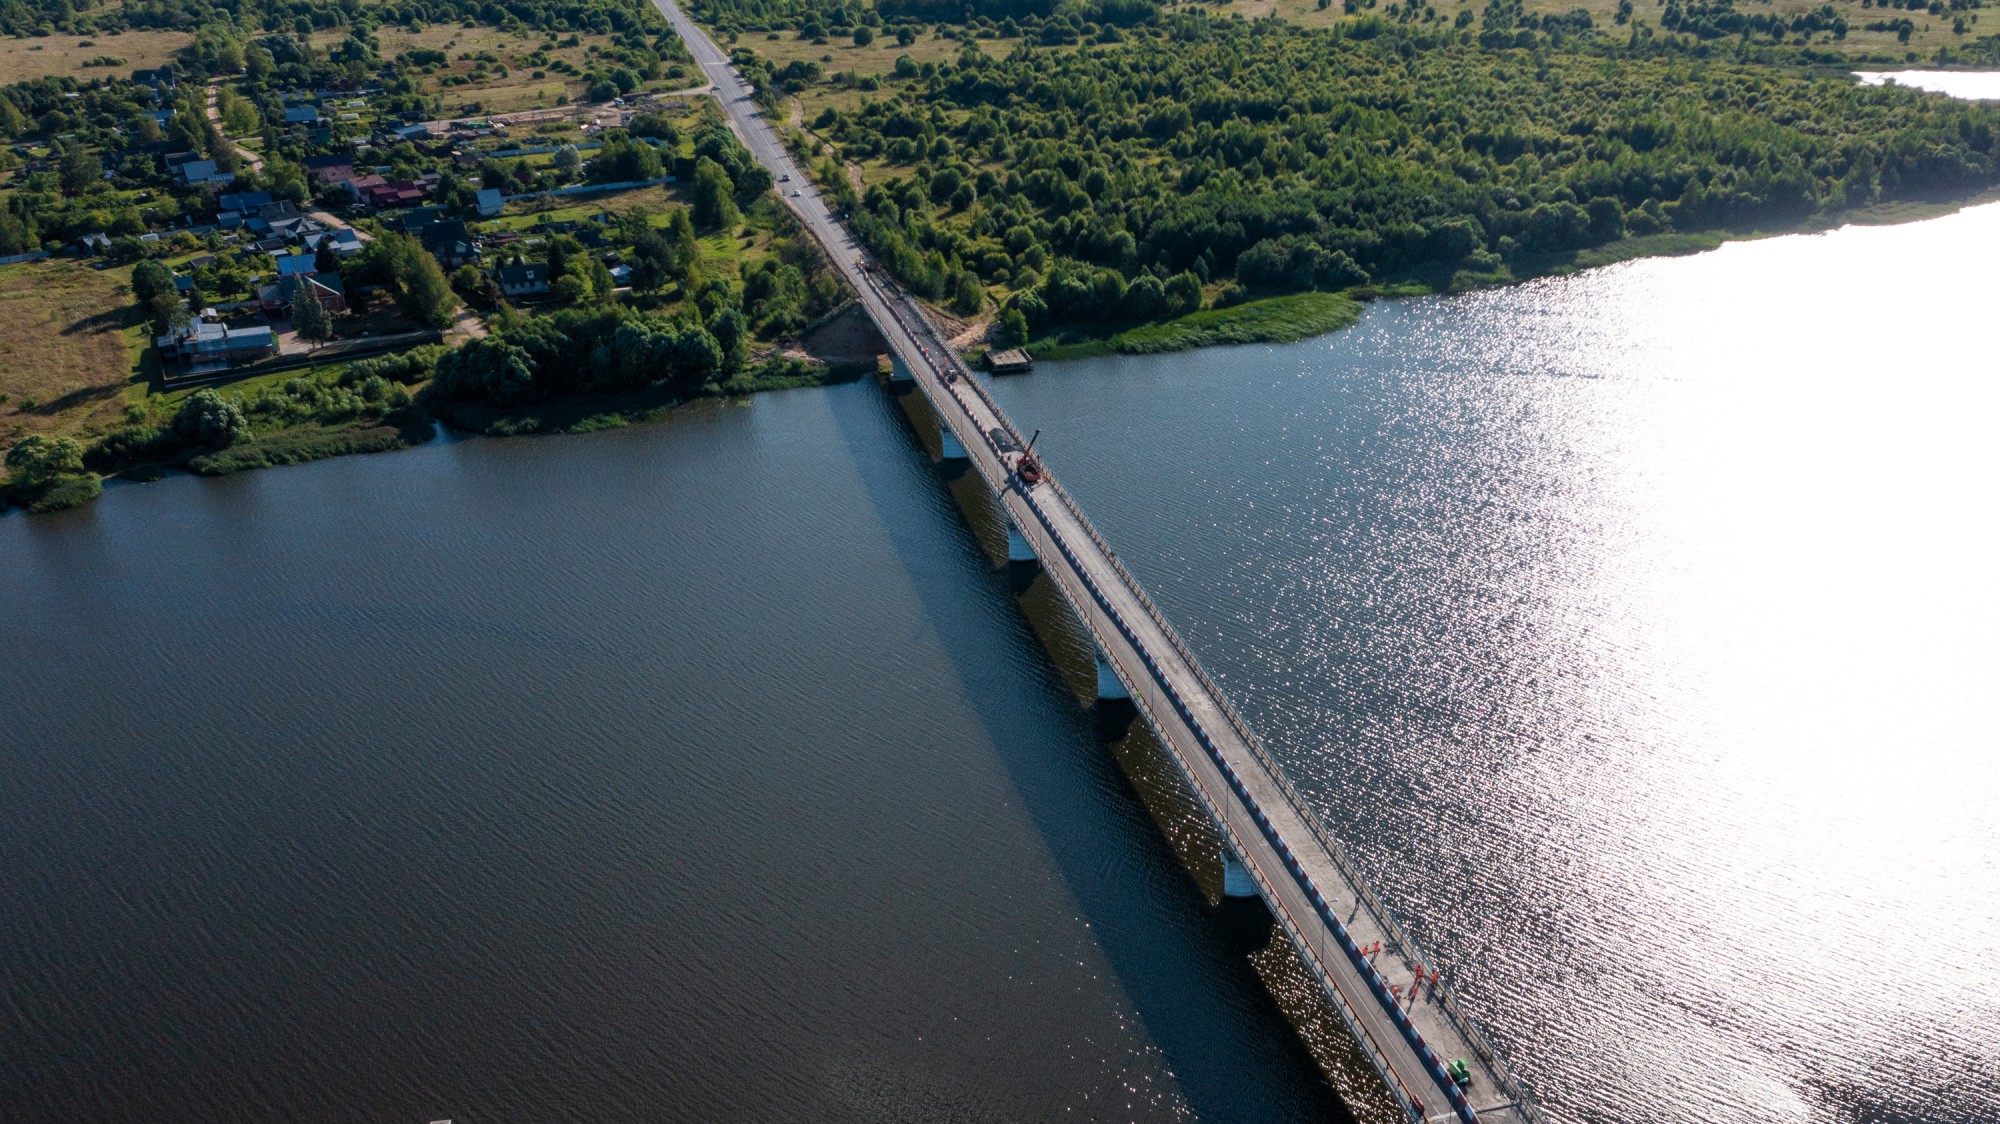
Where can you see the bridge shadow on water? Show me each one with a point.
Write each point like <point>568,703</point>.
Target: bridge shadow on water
<point>1128,838</point>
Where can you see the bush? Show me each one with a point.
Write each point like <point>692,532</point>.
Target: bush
<point>67,492</point>
<point>206,418</point>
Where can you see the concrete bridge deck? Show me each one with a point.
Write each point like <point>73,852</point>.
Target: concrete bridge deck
<point>1378,980</point>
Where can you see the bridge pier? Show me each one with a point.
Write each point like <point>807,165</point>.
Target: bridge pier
<point>899,371</point>
<point>1236,880</point>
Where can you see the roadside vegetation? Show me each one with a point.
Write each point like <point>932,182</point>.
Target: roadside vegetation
<point>1083,170</point>
<point>700,263</point>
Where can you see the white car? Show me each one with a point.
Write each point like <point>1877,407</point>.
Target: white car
<point>796,193</point>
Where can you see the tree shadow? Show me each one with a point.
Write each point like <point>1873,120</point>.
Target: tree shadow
<point>115,319</point>
<point>78,397</point>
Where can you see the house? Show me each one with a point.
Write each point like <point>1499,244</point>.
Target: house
<point>97,243</point>
<point>302,115</point>
<point>490,202</point>
<point>204,345</point>
<point>278,297</point>
<point>203,171</point>
<point>183,284</point>
<point>330,169</point>
<point>242,200</point>
<point>525,280</point>
<point>344,241</point>
<point>449,242</point>
<point>382,196</point>
<point>161,79</point>
<point>281,220</point>
<point>295,265</point>
<point>411,132</point>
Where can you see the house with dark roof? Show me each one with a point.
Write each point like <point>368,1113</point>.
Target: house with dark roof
<point>160,79</point>
<point>203,171</point>
<point>449,243</point>
<point>242,200</point>
<point>525,280</point>
<point>294,265</point>
<point>330,169</point>
<point>490,201</point>
<point>278,297</point>
<point>301,115</point>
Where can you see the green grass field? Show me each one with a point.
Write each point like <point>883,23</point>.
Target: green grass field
<point>1285,319</point>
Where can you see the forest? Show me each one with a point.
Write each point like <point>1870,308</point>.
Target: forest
<point>1183,157</point>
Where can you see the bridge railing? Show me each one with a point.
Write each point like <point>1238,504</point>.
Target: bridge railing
<point>1364,892</point>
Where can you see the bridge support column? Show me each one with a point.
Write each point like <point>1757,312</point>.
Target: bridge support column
<point>1018,550</point>
<point>899,371</point>
<point>1236,880</point>
<point>1109,686</point>
<point>950,448</point>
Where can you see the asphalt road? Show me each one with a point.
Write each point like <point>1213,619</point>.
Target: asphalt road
<point>1161,674</point>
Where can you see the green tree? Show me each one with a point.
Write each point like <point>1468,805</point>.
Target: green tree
<point>427,296</point>
<point>969,296</point>
<point>81,170</point>
<point>864,35</point>
<point>1013,329</point>
<point>207,418</point>
<point>599,280</point>
<point>149,279</point>
<point>687,247</point>
<point>310,318</point>
<point>37,460</point>
<point>570,289</point>
<point>714,209</point>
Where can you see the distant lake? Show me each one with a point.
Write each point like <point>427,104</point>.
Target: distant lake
<point>1973,85</point>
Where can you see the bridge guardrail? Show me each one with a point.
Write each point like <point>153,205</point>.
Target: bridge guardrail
<point>1364,892</point>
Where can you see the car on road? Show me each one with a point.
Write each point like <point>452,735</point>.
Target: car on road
<point>786,178</point>
<point>796,193</point>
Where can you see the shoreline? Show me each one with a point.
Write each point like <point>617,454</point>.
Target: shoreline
<point>1278,318</point>
<point>1283,317</point>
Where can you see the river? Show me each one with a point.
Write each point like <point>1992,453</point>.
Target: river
<point>1634,628</point>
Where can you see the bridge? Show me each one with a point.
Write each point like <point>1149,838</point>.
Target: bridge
<point>1390,994</point>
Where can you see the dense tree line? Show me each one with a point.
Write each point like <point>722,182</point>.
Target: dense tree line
<point>1283,158</point>
<point>605,17</point>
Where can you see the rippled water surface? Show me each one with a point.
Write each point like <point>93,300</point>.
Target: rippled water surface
<point>693,772</point>
<point>1639,631</point>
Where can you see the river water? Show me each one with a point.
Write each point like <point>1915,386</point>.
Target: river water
<point>1635,629</point>
<point>1638,630</point>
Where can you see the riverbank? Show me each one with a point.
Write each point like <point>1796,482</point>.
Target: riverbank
<point>1285,319</point>
<point>1291,317</point>
<point>332,414</point>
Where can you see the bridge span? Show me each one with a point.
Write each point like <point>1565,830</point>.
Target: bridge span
<point>1381,984</point>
